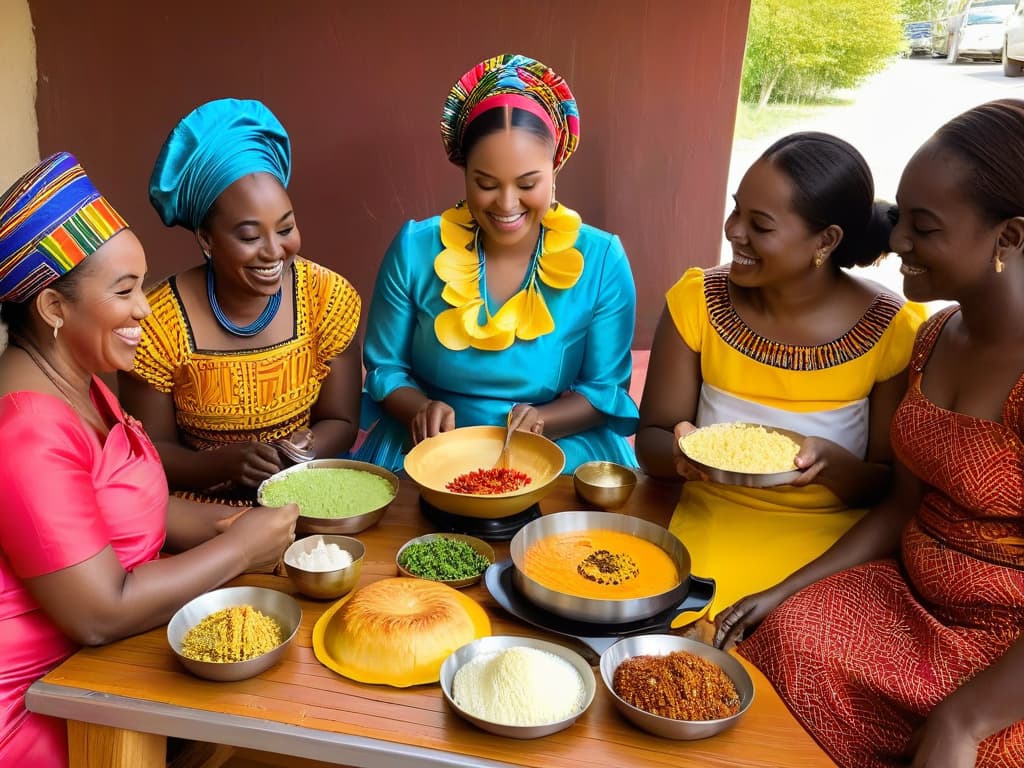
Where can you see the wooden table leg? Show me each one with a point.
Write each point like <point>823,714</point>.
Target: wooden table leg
<point>99,746</point>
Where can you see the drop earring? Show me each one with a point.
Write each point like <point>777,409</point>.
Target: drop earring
<point>554,202</point>
<point>999,263</point>
<point>56,327</point>
<point>819,257</point>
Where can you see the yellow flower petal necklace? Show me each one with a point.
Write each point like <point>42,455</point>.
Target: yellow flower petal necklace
<point>461,266</point>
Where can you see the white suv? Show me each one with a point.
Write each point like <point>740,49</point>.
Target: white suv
<point>1013,42</point>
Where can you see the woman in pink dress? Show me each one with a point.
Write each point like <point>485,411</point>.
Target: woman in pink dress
<point>906,644</point>
<point>85,509</point>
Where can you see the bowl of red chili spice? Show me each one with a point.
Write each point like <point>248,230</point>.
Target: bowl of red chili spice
<point>455,473</point>
<point>676,687</point>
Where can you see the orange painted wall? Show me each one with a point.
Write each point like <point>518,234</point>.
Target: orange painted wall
<point>359,86</point>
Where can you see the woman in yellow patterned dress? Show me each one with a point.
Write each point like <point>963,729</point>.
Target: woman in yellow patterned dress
<point>256,345</point>
<point>783,336</point>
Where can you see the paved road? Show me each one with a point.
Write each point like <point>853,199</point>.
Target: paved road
<point>890,117</point>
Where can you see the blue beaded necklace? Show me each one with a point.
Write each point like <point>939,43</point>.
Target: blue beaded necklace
<point>257,325</point>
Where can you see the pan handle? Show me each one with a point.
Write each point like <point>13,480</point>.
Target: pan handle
<point>695,604</point>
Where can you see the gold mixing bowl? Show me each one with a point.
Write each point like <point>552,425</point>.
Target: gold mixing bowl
<point>440,459</point>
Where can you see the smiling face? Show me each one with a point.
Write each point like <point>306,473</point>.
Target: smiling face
<point>509,177</point>
<point>770,242</point>
<point>251,236</point>
<point>945,243</point>
<point>101,329</point>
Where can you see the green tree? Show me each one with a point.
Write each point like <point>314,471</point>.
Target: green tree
<point>920,10</point>
<point>799,50</point>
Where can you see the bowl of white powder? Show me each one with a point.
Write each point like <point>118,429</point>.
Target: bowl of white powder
<point>517,686</point>
<point>324,566</point>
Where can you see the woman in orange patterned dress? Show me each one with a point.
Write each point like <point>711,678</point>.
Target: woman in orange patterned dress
<point>256,345</point>
<point>914,654</point>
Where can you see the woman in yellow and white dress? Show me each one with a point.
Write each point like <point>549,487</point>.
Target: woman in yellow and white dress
<point>783,336</point>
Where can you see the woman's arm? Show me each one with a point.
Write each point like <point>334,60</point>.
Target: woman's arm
<point>857,482</point>
<point>334,417</point>
<point>248,463</point>
<point>670,397</point>
<point>874,536</point>
<point>97,601</point>
<point>981,707</point>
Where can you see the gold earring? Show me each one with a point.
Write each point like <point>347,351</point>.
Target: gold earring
<point>56,327</point>
<point>999,263</point>
<point>553,201</point>
<point>819,258</point>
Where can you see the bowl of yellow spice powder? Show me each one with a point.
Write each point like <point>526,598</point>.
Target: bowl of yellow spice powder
<point>233,633</point>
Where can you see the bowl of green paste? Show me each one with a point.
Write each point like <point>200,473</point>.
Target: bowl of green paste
<point>333,495</point>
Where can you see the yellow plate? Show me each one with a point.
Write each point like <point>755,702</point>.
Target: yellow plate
<point>410,660</point>
<point>440,459</point>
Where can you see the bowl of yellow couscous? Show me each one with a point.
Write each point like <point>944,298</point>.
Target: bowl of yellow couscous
<point>737,453</point>
<point>233,633</point>
<point>333,495</point>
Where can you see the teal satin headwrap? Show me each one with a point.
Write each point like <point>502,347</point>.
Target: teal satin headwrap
<point>211,148</point>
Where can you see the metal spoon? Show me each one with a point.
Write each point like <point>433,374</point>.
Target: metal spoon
<point>502,462</point>
<point>294,452</point>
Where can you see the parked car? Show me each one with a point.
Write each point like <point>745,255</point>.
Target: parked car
<point>978,35</point>
<point>1013,42</point>
<point>918,37</point>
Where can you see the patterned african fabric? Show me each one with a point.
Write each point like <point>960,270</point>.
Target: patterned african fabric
<point>511,80</point>
<point>212,147</point>
<point>461,265</point>
<point>587,350</point>
<point>748,539</point>
<point>50,220</point>
<point>261,394</point>
<point>67,495</point>
<point>863,656</point>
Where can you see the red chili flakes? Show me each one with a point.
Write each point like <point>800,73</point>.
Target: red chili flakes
<point>681,686</point>
<point>489,481</point>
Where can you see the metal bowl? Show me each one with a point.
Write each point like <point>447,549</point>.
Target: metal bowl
<point>604,483</point>
<point>324,585</point>
<point>281,607</point>
<point>662,645</point>
<point>749,479</point>
<point>438,460</point>
<point>480,546</point>
<point>353,524</point>
<point>590,609</point>
<point>497,643</point>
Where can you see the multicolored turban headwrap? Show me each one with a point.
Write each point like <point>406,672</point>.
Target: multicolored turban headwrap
<point>517,81</point>
<point>50,220</point>
<point>210,149</point>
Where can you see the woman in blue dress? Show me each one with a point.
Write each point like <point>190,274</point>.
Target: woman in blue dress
<point>506,301</point>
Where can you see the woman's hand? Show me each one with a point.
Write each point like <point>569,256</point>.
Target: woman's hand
<point>943,741</point>
<point>264,532</point>
<point>815,455</point>
<point>248,464</point>
<point>732,623</point>
<point>683,466</point>
<point>526,418</point>
<point>432,418</point>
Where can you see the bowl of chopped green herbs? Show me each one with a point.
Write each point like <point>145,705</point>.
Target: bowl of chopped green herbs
<point>333,495</point>
<point>449,558</point>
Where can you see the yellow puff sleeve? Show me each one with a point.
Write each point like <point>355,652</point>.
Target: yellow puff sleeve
<point>164,340</point>
<point>897,343</point>
<point>334,307</point>
<point>688,307</point>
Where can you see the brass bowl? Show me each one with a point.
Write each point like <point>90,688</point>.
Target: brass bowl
<point>479,546</point>
<point>604,483</point>
<point>325,585</point>
<point>748,479</point>
<point>662,645</point>
<point>352,524</point>
<point>284,609</point>
<point>438,460</point>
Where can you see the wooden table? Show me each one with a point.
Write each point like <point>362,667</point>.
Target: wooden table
<point>124,699</point>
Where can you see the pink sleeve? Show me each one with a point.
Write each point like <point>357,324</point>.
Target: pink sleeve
<point>50,519</point>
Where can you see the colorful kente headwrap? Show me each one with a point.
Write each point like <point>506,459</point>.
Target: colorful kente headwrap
<point>50,220</point>
<point>211,148</point>
<point>517,81</point>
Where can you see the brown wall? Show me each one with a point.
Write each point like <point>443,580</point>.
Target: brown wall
<point>359,86</point>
